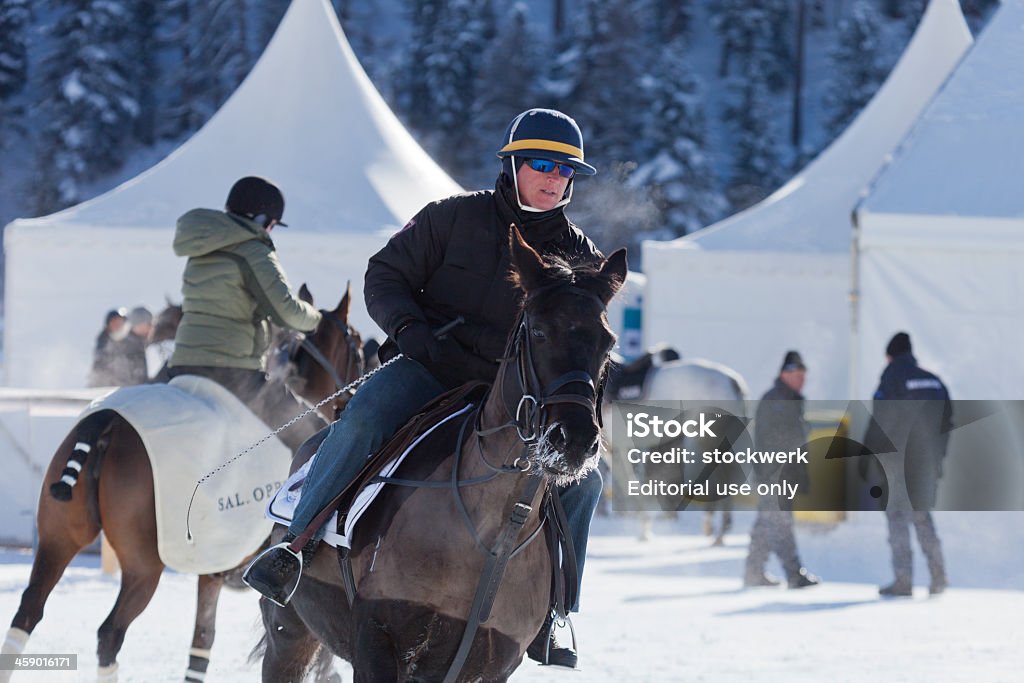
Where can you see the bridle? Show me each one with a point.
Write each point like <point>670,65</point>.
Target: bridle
<point>530,411</point>
<point>354,366</point>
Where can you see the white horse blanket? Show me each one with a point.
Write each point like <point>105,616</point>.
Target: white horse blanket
<point>191,427</point>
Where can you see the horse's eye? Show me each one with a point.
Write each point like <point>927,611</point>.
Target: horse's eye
<point>537,333</point>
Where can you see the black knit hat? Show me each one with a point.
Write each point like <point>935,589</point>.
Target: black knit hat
<point>253,197</point>
<point>792,361</point>
<point>115,313</point>
<point>900,343</point>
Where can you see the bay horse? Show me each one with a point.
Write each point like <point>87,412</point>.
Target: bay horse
<point>418,553</point>
<point>115,494</point>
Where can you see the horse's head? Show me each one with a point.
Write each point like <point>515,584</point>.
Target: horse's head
<point>326,359</point>
<point>559,351</point>
<point>165,324</point>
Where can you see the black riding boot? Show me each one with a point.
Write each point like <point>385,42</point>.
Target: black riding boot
<point>275,572</point>
<point>546,649</point>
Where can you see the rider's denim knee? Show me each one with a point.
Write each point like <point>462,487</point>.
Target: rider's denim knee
<point>587,492</point>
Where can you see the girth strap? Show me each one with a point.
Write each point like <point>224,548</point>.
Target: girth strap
<point>494,570</point>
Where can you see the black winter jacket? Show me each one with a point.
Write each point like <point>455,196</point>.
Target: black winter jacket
<point>780,426</point>
<point>913,414</point>
<point>453,259</point>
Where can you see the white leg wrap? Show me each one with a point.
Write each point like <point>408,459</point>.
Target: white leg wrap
<point>75,465</point>
<point>69,480</point>
<point>199,652</point>
<point>107,674</point>
<point>14,643</point>
<point>191,675</point>
<point>82,446</point>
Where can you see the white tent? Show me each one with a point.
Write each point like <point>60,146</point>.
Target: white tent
<point>308,117</point>
<point>940,235</point>
<point>777,275</point>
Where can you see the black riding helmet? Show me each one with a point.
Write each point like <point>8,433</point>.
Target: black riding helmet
<point>257,199</point>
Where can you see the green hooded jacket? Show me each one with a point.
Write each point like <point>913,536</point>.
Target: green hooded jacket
<point>232,286</point>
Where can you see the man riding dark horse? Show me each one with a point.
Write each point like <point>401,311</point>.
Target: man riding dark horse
<point>452,262</point>
<point>233,287</point>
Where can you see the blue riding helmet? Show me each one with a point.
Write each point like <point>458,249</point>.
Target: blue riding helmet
<point>543,134</point>
<point>546,134</point>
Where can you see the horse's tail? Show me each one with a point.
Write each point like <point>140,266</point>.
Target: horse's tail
<point>88,442</point>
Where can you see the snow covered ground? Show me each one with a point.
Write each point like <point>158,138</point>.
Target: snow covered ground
<point>666,610</point>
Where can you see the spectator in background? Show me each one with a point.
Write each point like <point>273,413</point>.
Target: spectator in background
<point>133,347</point>
<point>912,411</point>
<point>106,354</point>
<point>779,426</point>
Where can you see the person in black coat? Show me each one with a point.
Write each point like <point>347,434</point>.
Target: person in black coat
<point>912,411</point>
<point>452,260</point>
<point>779,426</point>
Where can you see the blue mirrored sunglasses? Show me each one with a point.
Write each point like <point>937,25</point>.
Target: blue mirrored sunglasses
<point>546,166</point>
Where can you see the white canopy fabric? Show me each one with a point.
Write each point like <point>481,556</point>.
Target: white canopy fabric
<point>940,236</point>
<point>307,117</point>
<point>777,276</point>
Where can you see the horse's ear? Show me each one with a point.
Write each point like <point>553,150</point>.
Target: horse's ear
<point>304,294</point>
<point>528,266</point>
<point>613,271</point>
<point>345,304</point>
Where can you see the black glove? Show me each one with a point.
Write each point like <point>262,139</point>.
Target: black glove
<point>416,341</point>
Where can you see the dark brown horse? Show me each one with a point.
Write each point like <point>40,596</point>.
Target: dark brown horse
<point>115,494</point>
<point>418,554</point>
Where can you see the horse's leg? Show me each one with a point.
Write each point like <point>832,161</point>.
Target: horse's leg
<point>646,526</point>
<point>128,509</point>
<point>48,566</point>
<point>64,528</point>
<point>289,644</point>
<point>206,618</point>
<point>138,583</point>
<point>374,658</point>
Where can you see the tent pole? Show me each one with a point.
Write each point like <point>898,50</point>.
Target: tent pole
<point>854,302</point>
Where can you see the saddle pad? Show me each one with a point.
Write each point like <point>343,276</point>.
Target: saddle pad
<point>190,427</point>
<point>282,506</point>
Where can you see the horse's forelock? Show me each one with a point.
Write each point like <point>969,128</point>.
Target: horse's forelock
<point>586,275</point>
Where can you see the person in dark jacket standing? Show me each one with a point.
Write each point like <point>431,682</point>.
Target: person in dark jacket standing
<point>106,356</point>
<point>779,426</point>
<point>233,286</point>
<point>913,411</point>
<point>140,319</point>
<point>451,260</point>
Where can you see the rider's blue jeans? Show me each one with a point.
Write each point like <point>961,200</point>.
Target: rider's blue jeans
<point>378,409</point>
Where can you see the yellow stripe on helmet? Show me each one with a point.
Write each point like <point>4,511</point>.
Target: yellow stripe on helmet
<point>547,145</point>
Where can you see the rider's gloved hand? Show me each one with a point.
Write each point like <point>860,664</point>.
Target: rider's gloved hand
<point>416,341</point>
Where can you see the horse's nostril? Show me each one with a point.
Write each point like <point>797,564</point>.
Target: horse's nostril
<point>559,437</point>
